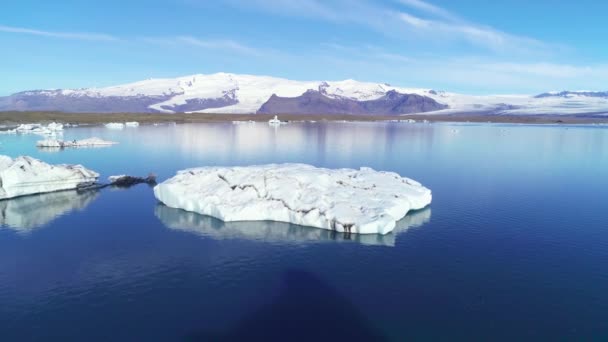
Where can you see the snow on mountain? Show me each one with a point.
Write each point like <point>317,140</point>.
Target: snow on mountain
<point>234,93</point>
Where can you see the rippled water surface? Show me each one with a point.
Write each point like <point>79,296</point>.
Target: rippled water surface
<point>514,245</point>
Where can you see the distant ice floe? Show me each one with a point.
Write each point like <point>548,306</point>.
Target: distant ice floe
<point>51,129</point>
<point>343,200</point>
<point>120,125</point>
<point>28,212</point>
<point>90,142</point>
<point>278,232</point>
<point>275,121</point>
<point>115,125</point>
<point>27,176</point>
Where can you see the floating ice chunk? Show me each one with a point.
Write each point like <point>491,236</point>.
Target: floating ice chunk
<point>115,125</point>
<point>90,142</point>
<point>132,124</point>
<point>26,176</point>
<point>51,129</point>
<point>55,127</point>
<point>357,201</point>
<point>275,121</point>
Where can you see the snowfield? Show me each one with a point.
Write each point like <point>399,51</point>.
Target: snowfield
<point>344,200</point>
<point>241,94</point>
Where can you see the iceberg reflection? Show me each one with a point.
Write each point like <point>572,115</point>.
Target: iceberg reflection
<point>28,212</point>
<point>269,231</point>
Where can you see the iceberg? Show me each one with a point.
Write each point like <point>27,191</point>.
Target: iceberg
<point>274,121</point>
<point>51,129</point>
<point>90,142</point>
<point>27,176</point>
<point>115,125</point>
<point>361,201</point>
<point>132,124</point>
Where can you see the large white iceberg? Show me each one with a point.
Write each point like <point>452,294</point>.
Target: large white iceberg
<point>90,142</point>
<point>344,200</point>
<point>26,176</point>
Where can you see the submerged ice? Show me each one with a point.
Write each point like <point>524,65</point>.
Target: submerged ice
<point>361,201</point>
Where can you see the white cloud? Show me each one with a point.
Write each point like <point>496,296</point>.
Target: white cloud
<point>224,44</point>
<point>438,24</point>
<point>63,35</point>
<point>477,35</point>
<point>210,44</point>
<point>430,9</point>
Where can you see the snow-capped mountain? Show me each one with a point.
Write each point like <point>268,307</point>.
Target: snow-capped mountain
<point>234,93</point>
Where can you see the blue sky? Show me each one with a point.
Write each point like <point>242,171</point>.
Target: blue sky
<point>469,46</point>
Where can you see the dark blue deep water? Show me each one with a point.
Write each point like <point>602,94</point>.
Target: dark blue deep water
<point>513,247</point>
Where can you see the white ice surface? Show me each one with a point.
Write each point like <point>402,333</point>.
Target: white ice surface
<point>115,125</point>
<point>358,201</point>
<point>26,176</point>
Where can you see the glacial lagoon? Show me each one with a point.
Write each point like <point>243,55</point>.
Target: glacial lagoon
<point>515,243</point>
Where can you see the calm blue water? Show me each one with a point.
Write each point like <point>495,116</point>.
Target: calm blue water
<point>514,245</point>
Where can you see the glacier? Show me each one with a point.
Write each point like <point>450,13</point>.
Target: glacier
<point>361,201</point>
<point>27,176</point>
<point>229,93</point>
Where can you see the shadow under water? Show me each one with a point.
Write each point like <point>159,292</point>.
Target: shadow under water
<point>307,309</point>
<point>270,231</point>
<point>32,211</point>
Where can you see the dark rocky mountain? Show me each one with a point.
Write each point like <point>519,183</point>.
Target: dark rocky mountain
<point>314,102</point>
<point>56,101</point>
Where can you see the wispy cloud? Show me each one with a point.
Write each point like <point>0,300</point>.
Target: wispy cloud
<point>62,35</point>
<point>430,9</point>
<point>207,44</point>
<point>474,34</point>
<point>222,44</point>
<point>431,22</point>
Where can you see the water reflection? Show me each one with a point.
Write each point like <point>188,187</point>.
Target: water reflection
<point>269,231</point>
<point>28,212</point>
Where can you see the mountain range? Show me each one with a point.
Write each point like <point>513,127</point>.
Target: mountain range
<point>235,93</point>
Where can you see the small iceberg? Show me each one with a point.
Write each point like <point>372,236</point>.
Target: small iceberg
<point>361,201</point>
<point>132,124</point>
<point>275,121</point>
<point>51,129</point>
<point>27,176</point>
<point>90,142</point>
<point>115,125</point>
